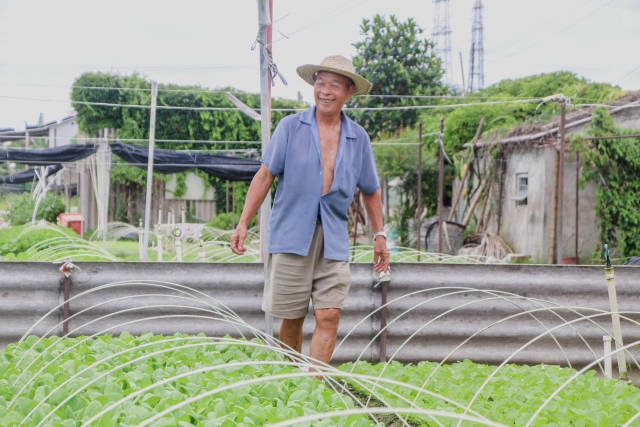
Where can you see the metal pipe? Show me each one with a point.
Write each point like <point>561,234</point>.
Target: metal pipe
<point>554,213</point>
<point>152,137</point>
<point>440,185</point>
<point>233,204</point>
<point>577,204</point>
<point>384,286</point>
<point>500,192</point>
<point>226,189</point>
<point>560,214</point>
<point>608,371</point>
<point>419,204</point>
<point>356,216</point>
<point>106,172</point>
<point>66,310</point>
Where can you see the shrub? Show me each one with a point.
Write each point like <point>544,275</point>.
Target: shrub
<point>224,221</point>
<point>21,208</point>
<point>17,239</point>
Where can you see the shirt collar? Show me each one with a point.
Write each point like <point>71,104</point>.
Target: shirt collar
<point>309,117</point>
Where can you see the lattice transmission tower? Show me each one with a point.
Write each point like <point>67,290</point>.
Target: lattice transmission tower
<point>476,63</point>
<point>442,37</point>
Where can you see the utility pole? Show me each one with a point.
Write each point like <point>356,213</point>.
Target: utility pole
<point>476,63</point>
<point>555,251</point>
<point>265,13</point>
<point>152,142</point>
<point>441,36</point>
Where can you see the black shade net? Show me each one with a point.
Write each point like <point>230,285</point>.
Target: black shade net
<point>48,156</point>
<point>169,161</point>
<point>28,175</point>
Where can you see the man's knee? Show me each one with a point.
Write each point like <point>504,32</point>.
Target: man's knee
<point>327,318</point>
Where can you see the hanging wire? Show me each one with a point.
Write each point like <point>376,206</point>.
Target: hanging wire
<point>391,108</point>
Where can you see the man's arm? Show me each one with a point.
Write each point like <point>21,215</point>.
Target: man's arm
<point>260,185</point>
<point>373,205</point>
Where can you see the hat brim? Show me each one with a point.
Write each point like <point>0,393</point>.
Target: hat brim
<point>306,72</point>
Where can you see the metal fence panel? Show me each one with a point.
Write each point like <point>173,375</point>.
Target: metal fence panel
<point>436,311</point>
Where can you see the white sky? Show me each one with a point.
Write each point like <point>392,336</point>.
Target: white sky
<point>45,45</point>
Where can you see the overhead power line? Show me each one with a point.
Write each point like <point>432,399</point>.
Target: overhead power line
<point>388,108</point>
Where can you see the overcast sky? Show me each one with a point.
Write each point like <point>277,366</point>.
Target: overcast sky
<point>45,45</point>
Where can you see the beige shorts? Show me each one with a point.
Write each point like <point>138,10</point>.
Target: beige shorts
<point>292,280</point>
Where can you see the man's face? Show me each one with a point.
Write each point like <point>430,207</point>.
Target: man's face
<point>331,91</point>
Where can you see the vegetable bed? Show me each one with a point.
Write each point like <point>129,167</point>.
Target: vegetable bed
<point>235,376</point>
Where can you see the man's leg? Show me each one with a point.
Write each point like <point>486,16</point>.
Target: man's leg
<point>324,336</point>
<point>291,333</point>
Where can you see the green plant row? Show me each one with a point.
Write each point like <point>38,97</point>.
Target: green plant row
<point>110,368</point>
<point>56,360</point>
<point>513,394</point>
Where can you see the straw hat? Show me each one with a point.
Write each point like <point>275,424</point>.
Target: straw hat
<point>336,64</point>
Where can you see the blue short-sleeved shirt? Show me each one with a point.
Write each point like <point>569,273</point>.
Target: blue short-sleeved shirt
<point>294,156</point>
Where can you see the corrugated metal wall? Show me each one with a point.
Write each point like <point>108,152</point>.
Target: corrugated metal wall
<point>448,310</point>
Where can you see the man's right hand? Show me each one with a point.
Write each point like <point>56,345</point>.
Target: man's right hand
<point>237,240</point>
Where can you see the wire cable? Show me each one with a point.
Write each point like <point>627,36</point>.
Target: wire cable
<point>407,96</point>
<point>165,141</point>
<point>175,107</point>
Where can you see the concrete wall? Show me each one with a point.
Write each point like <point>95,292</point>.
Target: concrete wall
<point>527,229</point>
<point>524,226</point>
<point>62,133</point>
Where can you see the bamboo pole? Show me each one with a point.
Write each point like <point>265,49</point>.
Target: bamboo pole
<point>465,170</point>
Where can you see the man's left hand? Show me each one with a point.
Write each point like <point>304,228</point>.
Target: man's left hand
<point>380,255</point>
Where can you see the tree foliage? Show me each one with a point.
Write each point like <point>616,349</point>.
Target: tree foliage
<point>401,161</point>
<point>613,165</point>
<point>395,58</point>
<point>462,122</point>
<point>171,124</point>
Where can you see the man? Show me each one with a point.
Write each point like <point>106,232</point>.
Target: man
<point>319,157</point>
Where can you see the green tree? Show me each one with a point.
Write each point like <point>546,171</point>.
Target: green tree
<point>462,122</point>
<point>613,165</point>
<point>173,124</point>
<point>397,61</point>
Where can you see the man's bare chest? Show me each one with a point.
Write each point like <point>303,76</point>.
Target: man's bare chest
<point>329,141</point>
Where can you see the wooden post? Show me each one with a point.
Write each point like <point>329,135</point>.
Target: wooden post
<point>152,141</point>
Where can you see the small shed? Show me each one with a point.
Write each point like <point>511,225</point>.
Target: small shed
<point>523,201</point>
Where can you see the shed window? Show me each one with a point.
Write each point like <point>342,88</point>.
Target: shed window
<point>522,189</point>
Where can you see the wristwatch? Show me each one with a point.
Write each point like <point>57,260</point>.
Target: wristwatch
<point>380,233</point>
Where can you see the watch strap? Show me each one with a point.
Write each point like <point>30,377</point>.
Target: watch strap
<point>380,233</point>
